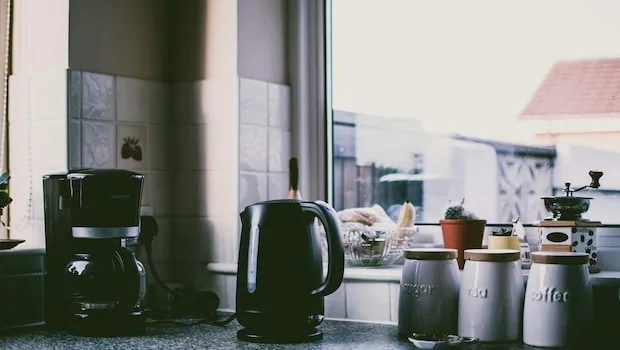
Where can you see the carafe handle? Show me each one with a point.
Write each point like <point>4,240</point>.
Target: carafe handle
<point>330,221</point>
<point>129,291</point>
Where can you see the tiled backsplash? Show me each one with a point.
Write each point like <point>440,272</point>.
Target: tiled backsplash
<point>264,141</point>
<point>206,148</point>
<point>205,180</point>
<point>233,145</point>
<point>73,119</point>
<point>37,128</point>
<point>121,122</point>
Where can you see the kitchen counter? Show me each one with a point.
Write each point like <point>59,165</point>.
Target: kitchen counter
<point>338,335</point>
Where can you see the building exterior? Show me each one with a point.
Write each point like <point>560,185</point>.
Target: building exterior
<point>578,102</point>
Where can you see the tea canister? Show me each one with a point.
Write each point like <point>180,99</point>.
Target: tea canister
<point>491,295</point>
<point>429,292</point>
<point>558,308</point>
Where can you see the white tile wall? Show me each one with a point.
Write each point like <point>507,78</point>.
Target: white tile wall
<point>253,148</point>
<point>98,96</point>
<point>37,121</point>
<point>98,144</point>
<point>206,138</point>
<point>132,100</point>
<point>253,102</point>
<point>102,111</point>
<point>336,304</point>
<point>264,141</point>
<point>368,301</point>
<point>224,160</point>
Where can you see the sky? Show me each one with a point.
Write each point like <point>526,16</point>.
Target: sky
<point>461,66</point>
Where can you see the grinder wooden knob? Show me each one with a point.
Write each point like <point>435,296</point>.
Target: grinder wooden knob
<point>595,176</point>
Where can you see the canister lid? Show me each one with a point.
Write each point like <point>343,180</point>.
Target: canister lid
<point>498,255</point>
<point>430,254</point>
<point>563,258</point>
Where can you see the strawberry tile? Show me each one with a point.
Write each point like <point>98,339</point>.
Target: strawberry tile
<point>132,146</point>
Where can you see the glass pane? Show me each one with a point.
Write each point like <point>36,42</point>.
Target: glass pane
<point>497,103</point>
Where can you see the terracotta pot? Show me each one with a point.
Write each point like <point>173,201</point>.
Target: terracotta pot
<point>461,235</point>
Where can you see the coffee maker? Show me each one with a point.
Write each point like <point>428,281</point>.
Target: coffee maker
<point>94,286</point>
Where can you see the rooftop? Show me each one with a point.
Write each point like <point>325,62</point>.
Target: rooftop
<point>577,89</point>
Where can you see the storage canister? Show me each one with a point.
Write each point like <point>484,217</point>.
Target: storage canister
<point>558,308</point>
<point>491,295</point>
<point>429,292</point>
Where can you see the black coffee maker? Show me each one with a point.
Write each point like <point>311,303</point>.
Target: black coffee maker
<point>93,286</point>
<point>280,280</point>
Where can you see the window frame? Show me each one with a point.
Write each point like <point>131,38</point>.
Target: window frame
<point>310,81</point>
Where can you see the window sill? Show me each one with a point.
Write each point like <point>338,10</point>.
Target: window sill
<point>393,274</point>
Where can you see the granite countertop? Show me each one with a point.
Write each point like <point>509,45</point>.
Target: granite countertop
<point>337,335</point>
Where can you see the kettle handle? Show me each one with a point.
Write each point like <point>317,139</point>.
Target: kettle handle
<point>330,221</point>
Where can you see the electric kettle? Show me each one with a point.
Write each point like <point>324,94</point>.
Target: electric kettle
<point>280,278</point>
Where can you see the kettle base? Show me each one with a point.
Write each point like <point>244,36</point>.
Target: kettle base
<point>286,337</point>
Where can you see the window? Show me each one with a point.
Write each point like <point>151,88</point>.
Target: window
<point>499,103</point>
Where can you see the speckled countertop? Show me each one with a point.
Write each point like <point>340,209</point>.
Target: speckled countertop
<point>338,335</point>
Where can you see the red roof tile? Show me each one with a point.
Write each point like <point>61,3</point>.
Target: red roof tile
<point>573,89</point>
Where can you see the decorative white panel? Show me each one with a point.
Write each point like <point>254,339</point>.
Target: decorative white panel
<point>98,96</point>
<point>98,145</point>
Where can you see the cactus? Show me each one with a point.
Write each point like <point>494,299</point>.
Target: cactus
<point>458,212</point>
<point>5,198</point>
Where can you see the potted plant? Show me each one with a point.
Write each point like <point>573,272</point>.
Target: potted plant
<point>461,230</point>
<point>5,198</point>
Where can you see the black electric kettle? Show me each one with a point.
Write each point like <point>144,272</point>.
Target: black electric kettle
<point>280,280</point>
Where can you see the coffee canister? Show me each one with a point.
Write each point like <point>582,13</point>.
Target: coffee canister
<point>429,292</point>
<point>558,308</point>
<point>491,295</point>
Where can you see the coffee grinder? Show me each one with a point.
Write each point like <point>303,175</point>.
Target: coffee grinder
<point>94,286</point>
<point>567,229</point>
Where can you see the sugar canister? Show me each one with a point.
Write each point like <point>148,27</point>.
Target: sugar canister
<point>429,292</point>
<point>558,300</point>
<point>491,295</point>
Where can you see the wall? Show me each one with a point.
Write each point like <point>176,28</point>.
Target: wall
<point>118,37</point>
<point>68,119</point>
<point>185,111</point>
<point>262,40</point>
<point>264,141</point>
<point>232,133</point>
<point>37,110</point>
